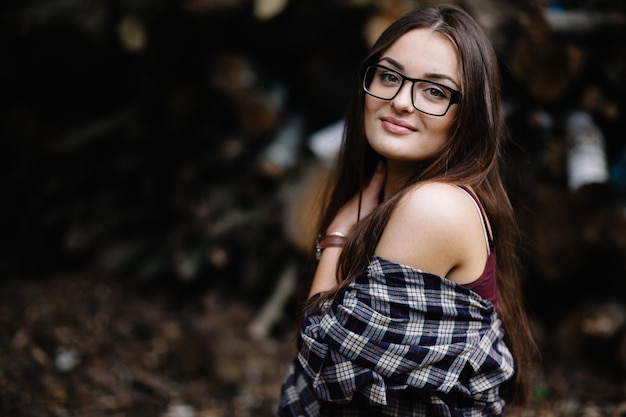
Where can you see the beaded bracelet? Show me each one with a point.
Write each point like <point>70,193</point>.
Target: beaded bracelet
<point>335,239</point>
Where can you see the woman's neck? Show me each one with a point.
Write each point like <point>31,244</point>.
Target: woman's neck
<point>398,174</point>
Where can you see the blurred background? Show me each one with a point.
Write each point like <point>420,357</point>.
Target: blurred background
<point>161,163</point>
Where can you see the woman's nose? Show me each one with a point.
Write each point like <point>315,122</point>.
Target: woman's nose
<point>403,101</point>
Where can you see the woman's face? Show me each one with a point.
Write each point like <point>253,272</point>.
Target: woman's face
<point>395,128</point>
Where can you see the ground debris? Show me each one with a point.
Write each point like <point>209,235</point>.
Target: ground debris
<point>77,346</point>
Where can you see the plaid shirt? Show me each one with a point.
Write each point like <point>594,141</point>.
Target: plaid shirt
<point>398,342</point>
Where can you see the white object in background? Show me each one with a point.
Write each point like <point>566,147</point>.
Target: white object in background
<point>283,152</point>
<point>268,9</point>
<point>586,155</point>
<point>325,143</point>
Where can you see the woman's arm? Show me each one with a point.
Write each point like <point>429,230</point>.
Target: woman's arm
<point>325,277</point>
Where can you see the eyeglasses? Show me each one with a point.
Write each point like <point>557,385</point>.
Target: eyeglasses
<point>429,97</point>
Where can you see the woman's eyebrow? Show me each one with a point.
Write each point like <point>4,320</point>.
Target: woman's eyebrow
<point>435,76</point>
<point>442,77</point>
<point>393,62</point>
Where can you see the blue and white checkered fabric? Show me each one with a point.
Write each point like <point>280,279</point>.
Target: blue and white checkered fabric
<point>399,342</point>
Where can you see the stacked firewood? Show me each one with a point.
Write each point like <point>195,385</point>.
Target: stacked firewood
<point>187,144</point>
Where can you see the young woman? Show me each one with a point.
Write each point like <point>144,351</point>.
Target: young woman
<point>409,313</point>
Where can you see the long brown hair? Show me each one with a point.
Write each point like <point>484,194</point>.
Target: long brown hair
<point>471,155</point>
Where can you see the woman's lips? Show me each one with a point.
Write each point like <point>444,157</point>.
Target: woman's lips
<point>396,126</point>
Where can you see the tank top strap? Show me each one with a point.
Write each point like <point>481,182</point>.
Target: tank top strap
<point>483,216</point>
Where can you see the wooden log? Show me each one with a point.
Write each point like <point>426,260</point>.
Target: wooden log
<point>544,64</point>
<point>274,307</point>
<point>303,203</point>
<point>581,22</point>
<point>556,250</point>
<point>256,103</point>
<point>590,337</point>
<point>204,6</point>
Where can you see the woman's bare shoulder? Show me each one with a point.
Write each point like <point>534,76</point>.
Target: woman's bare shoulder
<point>434,227</point>
<point>437,203</point>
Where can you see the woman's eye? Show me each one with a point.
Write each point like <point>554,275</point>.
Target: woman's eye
<point>435,92</point>
<point>390,78</point>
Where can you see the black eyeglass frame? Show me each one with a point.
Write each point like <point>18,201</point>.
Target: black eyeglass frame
<point>455,95</point>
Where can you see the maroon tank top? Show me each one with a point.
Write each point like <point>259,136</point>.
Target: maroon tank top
<point>485,285</point>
